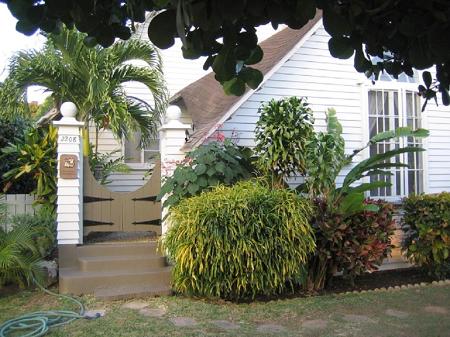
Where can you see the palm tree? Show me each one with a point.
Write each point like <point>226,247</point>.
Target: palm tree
<point>93,79</point>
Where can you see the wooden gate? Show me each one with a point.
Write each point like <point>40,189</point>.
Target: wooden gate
<point>108,211</point>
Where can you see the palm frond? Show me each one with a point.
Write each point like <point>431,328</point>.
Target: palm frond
<point>19,257</point>
<point>130,50</point>
<point>151,78</point>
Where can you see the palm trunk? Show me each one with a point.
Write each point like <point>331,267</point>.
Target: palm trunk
<point>96,140</point>
<point>86,143</point>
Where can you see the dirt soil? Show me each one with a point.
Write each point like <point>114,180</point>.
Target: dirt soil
<point>380,279</point>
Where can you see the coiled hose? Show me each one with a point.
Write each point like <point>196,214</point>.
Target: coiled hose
<point>38,323</point>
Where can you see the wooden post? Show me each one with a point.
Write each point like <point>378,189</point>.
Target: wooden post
<point>172,139</point>
<point>70,177</point>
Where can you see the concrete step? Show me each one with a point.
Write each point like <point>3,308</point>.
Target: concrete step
<point>116,249</point>
<point>121,263</point>
<point>137,291</point>
<point>75,281</point>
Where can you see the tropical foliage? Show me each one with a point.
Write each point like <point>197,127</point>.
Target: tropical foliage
<point>36,157</point>
<point>239,242</point>
<point>43,226</point>
<point>340,210</point>
<point>19,256</point>
<point>93,79</point>
<point>401,34</point>
<point>12,129</point>
<point>104,164</point>
<point>12,101</point>
<point>282,133</point>
<point>352,245</point>
<point>208,165</point>
<point>426,222</point>
<point>326,159</point>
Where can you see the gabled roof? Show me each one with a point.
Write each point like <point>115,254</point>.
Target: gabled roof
<point>205,99</point>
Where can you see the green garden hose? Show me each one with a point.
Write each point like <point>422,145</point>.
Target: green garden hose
<point>38,323</point>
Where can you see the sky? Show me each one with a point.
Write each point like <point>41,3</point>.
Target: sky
<point>12,41</point>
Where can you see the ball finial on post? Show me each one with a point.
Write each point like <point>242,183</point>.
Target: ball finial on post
<point>69,109</point>
<point>173,113</point>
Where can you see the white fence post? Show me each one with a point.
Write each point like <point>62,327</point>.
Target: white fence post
<point>172,138</point>
<point>70,177</point>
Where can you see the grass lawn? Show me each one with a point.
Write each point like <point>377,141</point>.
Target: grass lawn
<point>415,312</point>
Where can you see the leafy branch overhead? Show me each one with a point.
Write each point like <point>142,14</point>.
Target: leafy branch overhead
<point>400,35</point>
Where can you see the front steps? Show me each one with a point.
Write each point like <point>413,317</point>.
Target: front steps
<point>116,270</point>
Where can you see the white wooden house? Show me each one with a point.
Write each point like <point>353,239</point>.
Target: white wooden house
<point>297,62</point>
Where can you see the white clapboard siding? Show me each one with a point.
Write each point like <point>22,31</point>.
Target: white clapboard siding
<point>127,182</point>
<point>107,143</point>
<point>437,119</point>
<point>309,72</point>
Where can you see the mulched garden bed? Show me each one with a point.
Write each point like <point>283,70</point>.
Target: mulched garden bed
<point>380,279</point>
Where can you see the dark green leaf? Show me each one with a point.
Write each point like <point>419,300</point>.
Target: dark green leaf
<point>161,30</point>
<point>340,47</point>
<point>252,77</point>
<point>235,86</point>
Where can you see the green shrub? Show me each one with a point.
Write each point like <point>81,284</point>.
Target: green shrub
<point>282,133</point>
<point>239,242</point>
<point>352,245</point>
<point>10,130</point>
<point>426,223</point>
<point>207,166</point>
<point>36,157</point>
<point>19,256</point>
<point>43,226</point>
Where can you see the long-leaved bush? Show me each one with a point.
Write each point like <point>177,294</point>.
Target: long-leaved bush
<point>239,242</point>
<point>282,134</point>
<point>426,223</point>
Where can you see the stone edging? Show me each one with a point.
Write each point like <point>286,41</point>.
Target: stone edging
<point>405,286</point>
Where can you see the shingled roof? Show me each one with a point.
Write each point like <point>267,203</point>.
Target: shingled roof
<point>205,100</point>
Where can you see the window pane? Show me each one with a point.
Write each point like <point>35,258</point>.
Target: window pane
<point>386,103</point>
<point>379,103</point>
<point>132,152</point>
<point>411,182</point>
<point>372,126</point>
<point>398,182</point>
<point>396,103</point>
<point>150,156</point>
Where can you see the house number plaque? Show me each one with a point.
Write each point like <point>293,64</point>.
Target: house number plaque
<point>68,164</point>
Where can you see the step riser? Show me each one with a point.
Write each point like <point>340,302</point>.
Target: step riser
<point>90,284</point>
<point>119,269</point>
<point>122,265</point>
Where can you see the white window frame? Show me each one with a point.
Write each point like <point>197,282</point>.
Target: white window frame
<point>401,87</point>
<point>141,164</point>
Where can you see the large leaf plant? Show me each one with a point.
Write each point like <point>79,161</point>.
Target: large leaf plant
<point>36,156</point>
<point>326,159</point>
<point>340,207</point>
